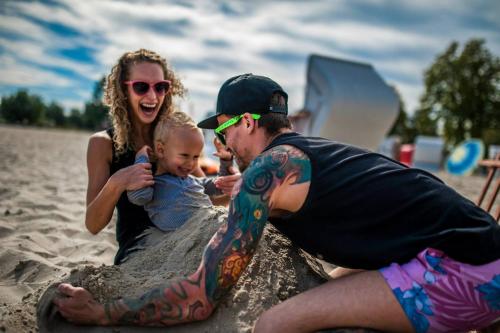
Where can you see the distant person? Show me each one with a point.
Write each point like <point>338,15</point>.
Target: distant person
<point>138,91</point>
<point>176,194</point>
<point>419,257</point>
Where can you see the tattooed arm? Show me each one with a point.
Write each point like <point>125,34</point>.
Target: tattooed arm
<point>226,255</point>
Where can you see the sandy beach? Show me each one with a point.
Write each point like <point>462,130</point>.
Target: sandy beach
<point>43,181</point>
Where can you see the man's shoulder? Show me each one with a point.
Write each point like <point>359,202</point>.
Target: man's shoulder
<point>282,151</point>
<point>282,160</point>
<point>282,174</point>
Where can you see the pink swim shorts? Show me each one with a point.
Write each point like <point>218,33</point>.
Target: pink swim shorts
<point>439,294</point>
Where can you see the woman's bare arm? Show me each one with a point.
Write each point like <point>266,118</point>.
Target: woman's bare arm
<point>102,195</point>
<point>103,190</point>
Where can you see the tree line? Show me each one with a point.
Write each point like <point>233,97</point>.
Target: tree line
<point>461,100</point>
<point>24,108</point>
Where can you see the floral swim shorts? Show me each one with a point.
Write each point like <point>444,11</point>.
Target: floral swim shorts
<point>439,294</point>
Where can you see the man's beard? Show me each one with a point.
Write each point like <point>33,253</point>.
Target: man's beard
<point>241,164</point>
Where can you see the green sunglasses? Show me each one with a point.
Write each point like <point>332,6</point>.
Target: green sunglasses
<point>229,123</point>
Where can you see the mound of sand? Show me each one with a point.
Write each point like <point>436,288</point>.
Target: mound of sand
<point>277,272</point>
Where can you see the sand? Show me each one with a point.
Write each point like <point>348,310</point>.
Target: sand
<point>43,181</point>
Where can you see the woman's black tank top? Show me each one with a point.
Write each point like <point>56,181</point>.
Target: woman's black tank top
<point>132,220</point>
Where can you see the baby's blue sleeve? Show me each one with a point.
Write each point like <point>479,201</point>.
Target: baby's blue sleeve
<point>143,195</point>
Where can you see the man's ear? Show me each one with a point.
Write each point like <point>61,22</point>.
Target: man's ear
<point>248,121</point>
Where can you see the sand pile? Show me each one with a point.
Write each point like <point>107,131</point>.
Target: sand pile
<point>277,272</point>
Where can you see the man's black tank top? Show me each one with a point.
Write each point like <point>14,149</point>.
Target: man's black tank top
<point>132,220</point>
<point>365,210</point>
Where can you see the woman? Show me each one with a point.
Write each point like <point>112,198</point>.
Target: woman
<point>138,91</point>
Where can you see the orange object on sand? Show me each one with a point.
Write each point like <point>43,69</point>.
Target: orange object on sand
<point>209,166</point>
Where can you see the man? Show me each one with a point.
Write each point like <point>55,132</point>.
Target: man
<point>420,257</point>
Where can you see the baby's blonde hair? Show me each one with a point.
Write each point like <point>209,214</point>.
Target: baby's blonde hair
<point>169,122</point>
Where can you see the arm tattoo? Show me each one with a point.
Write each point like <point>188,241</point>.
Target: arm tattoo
<point>229,251</point>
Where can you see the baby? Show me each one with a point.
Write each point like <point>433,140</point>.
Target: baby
<point>176,194</point>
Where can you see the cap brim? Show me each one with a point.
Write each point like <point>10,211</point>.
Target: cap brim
<point>210,123</point>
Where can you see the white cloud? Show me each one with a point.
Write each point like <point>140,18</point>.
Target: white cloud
<point>14,73</point>
<point>410,93</point>
<point>409,69</point>
<point>27,51</point>
<point>297,28</point>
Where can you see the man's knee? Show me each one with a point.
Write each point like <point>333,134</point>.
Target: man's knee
<point>273,320</point>
<point>263,323</point>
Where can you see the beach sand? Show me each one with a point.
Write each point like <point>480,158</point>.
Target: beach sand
<point>43,181</point>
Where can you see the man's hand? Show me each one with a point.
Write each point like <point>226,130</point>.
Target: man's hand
<point>222,152</point>
<point>226,183</point>
<point>78,306</point>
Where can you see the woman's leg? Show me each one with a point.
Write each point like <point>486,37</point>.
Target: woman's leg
<point>358,300</point>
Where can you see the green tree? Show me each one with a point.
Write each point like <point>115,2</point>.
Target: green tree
<point>99,89</point>
<point>55,115</point>
<point>95,113</point>
<point>75,119</point>
<point>462,92</point>
<point>23,108</point>
<point>425,122</point>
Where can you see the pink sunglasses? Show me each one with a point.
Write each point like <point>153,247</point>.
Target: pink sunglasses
<point>141,88</point>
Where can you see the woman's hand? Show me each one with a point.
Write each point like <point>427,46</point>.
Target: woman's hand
<point>133,177</point>
<point>78,306</point>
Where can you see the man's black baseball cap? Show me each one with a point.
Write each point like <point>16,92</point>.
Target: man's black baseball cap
<point>246,93</point>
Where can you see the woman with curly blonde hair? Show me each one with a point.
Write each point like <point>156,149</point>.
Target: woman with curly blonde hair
<point>138,91</point>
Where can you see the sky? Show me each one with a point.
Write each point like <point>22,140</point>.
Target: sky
<point>58,49</point>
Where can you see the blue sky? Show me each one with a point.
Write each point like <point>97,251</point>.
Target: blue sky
<point>59,48</point>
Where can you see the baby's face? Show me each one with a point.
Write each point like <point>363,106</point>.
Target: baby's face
<point>182,150</point>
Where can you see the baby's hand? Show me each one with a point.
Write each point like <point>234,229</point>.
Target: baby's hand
<point>222,152</point>
<point>144,151</point>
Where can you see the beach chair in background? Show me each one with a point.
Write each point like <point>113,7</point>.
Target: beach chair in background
<point>492,166</point>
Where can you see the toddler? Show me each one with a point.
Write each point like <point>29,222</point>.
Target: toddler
<point>176,194</point>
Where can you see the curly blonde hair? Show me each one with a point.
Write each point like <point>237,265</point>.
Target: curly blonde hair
<point>115,96</point>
